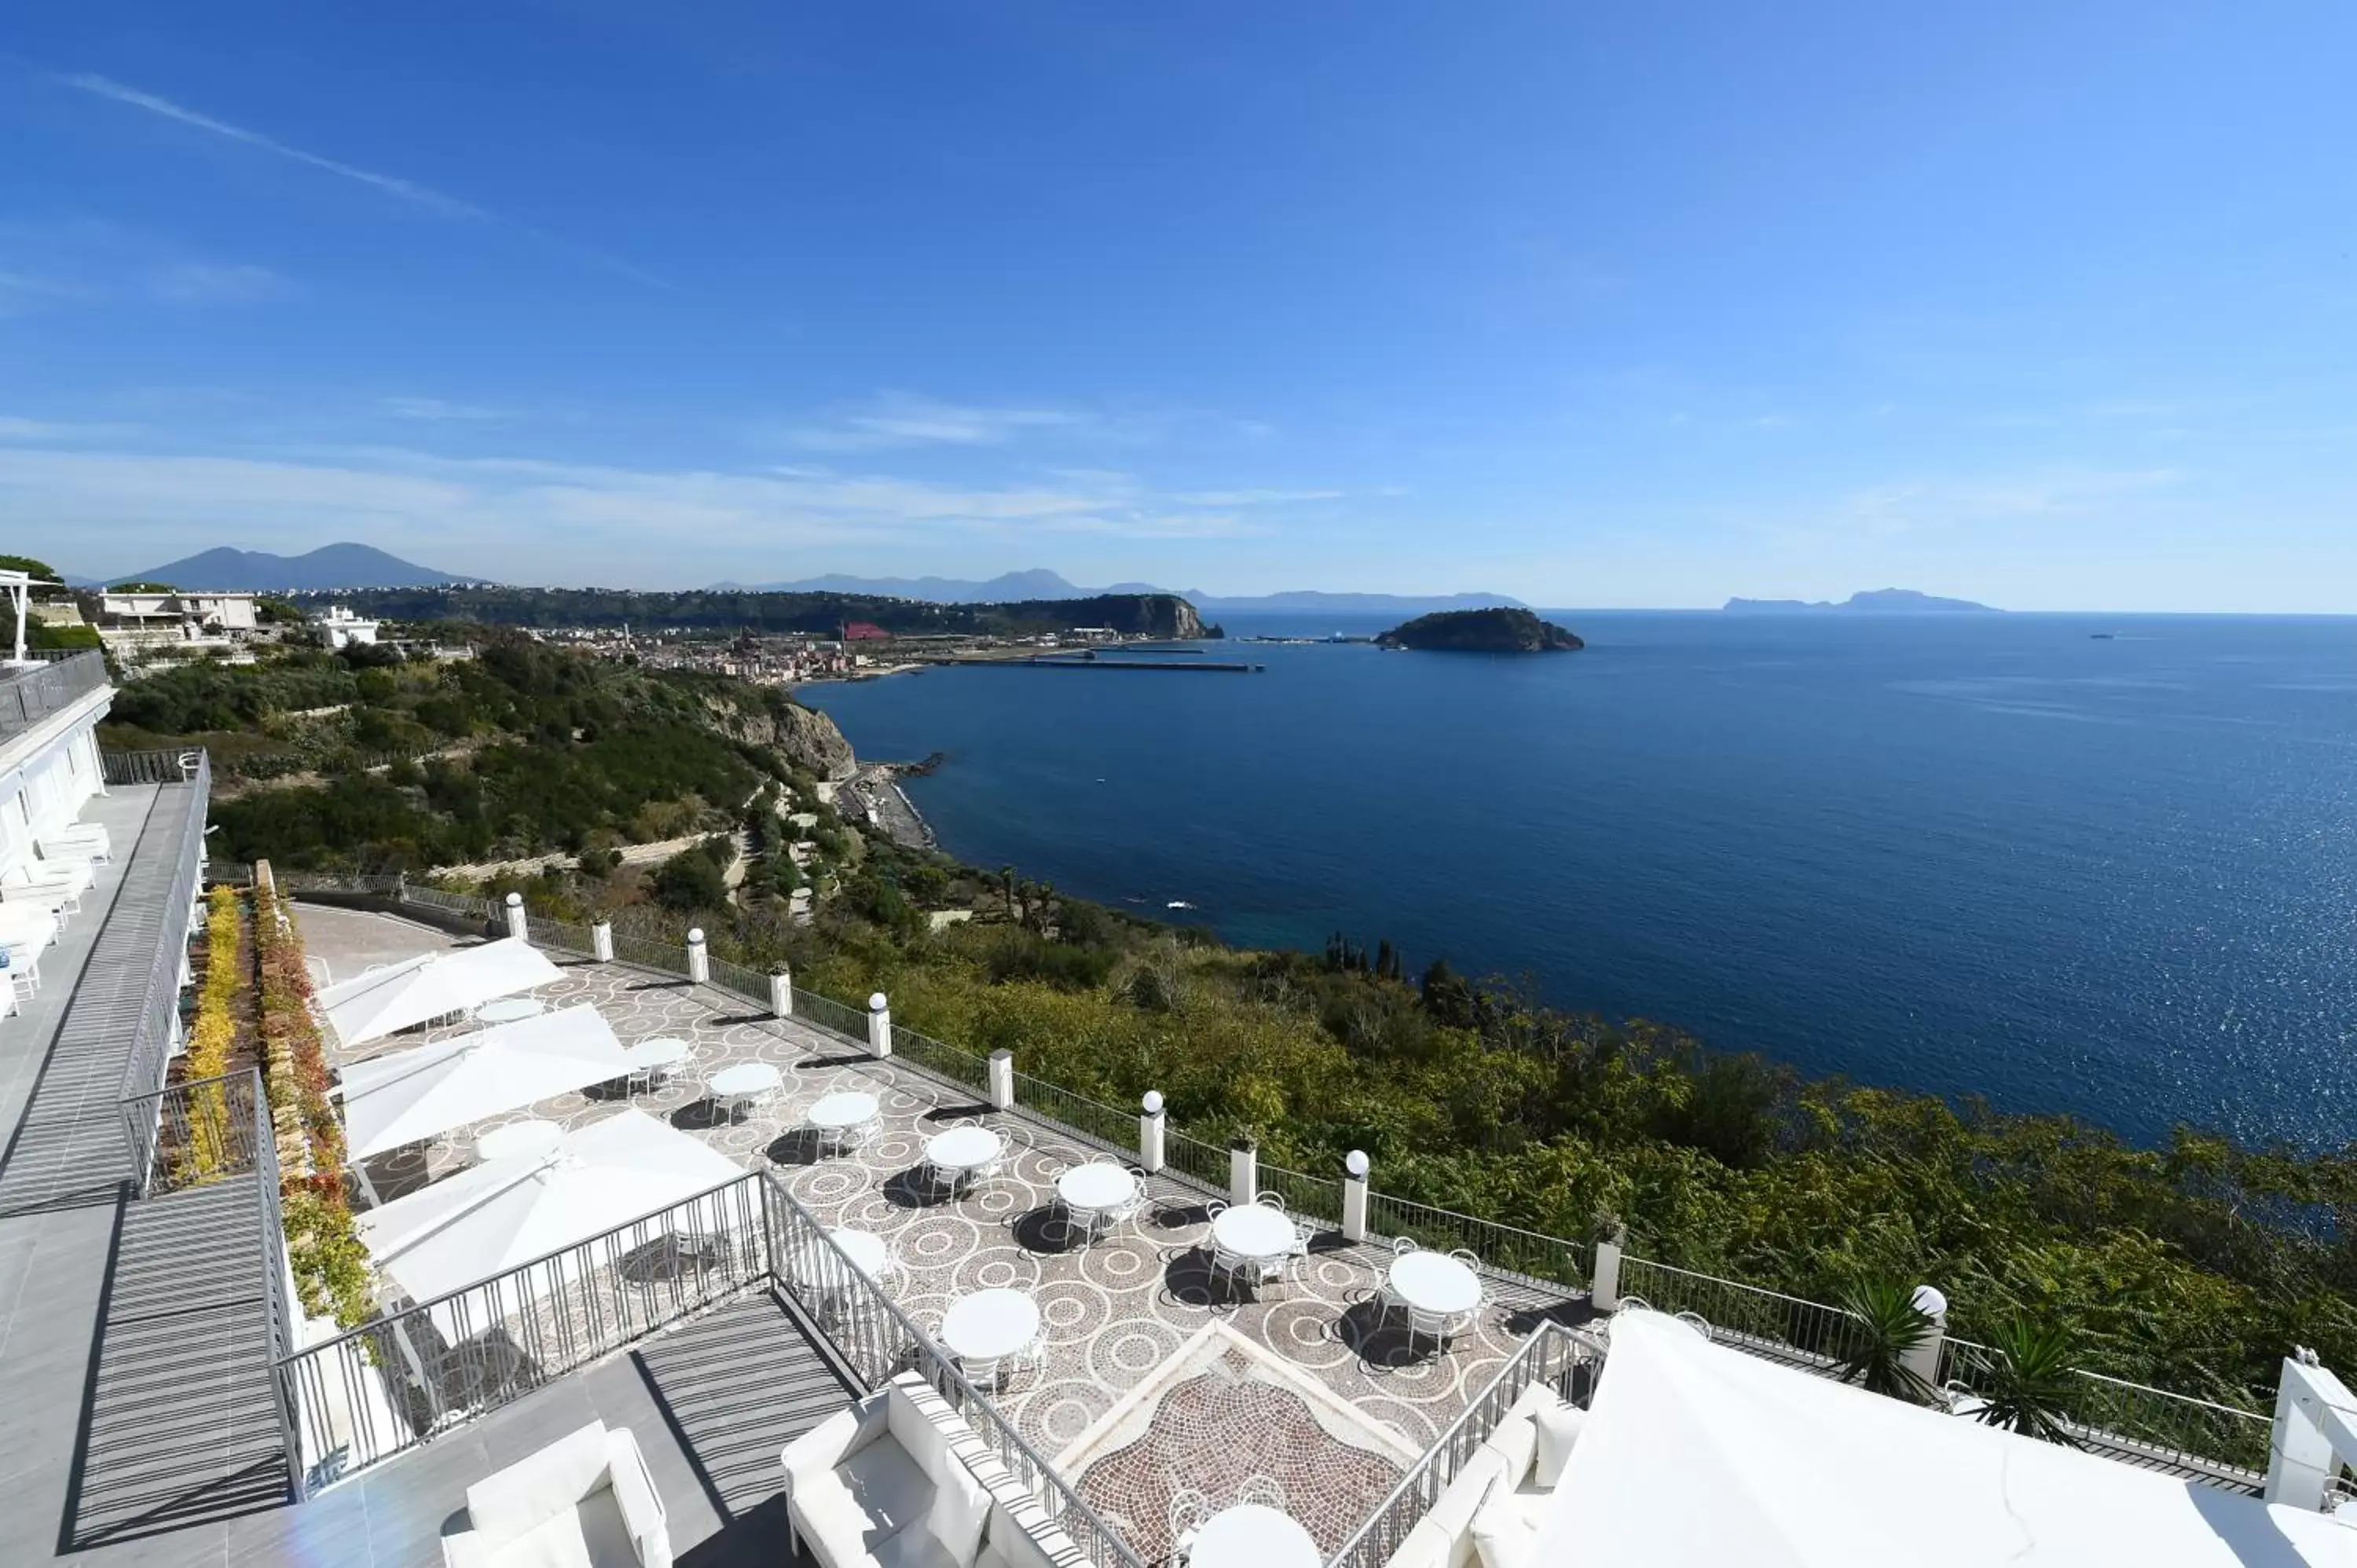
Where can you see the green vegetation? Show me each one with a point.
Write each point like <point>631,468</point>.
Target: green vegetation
<point>1482,631</point>
<point>1888,1328</point>
<point>818,614</point>
<point>521,751</point>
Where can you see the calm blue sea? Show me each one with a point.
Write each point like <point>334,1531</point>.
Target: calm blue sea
<point>1995,856</point>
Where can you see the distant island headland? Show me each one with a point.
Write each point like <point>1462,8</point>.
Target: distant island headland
<point>1875,601</point>
<point>1482,631</point>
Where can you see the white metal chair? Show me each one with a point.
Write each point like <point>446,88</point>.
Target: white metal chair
<point>1188,1509</point>
<point>1264,1490</point>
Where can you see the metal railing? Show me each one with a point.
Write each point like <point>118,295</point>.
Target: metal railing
<point>1195,1161</point>
<point>2224,1445</point>
<point>1305,1196</point>
<point>1550,1260</point>
<point>561,935</point>
<point>879,1341</point>
<point>403,1379</point>
<point>826,1013</point>
<point>941,1060</point>
<point>1768,1323</point>
<point>30,693</point>
<point>1094,1122</point>
<point>150,767</point>
<point>738,981</point>
<point>662,957</point>
<point>1552,1357</point>
<point>198,1133</point>
<point>463,904</point>
<point>158,1016</point>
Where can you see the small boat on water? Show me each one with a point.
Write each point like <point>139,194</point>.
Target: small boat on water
<point>1178,903</point>
<point>2101,635</point>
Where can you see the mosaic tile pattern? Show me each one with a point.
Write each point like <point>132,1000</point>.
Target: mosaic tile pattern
<point>1232,1440</point>
<point>1112,1312</point>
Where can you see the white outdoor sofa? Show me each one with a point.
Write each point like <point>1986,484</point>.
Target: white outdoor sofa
<point>1524,1463</point>
<point>584,1501</point>
<point>57,884</point>
<point>899,1480</point>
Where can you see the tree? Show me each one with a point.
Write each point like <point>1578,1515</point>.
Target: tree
<point>2029,1381</point>
<point>1886,1328</point>
<point>689,880</point>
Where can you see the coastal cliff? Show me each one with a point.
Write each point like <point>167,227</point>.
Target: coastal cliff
<point>803,737</point>
<point>1482,631</point>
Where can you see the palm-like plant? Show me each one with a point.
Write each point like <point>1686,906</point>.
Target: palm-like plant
<point>1886,1329</point>
<point>2030,1381</point>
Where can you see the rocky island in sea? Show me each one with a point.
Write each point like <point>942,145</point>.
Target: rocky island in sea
<point>1496,630</point>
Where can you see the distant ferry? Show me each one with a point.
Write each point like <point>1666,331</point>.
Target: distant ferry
<point>2101,635</point>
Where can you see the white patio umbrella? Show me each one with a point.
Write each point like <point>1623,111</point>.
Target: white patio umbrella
<point>425,1092</point>
<point>398,995</point>
<point>498,1216</point>
<point>1694,1454</point>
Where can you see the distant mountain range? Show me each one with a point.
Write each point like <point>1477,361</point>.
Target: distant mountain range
<point>330,567</point>
<point>1875,601</point>
<point>1042,583</point>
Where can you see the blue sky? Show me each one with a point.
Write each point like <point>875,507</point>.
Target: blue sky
<point>2052,304</point>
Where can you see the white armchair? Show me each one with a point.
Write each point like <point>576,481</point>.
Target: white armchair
<point>879,1483</point>
<point>584,1501</point>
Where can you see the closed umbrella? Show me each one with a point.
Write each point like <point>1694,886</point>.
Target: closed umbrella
<point>400,996</point>
<point>411,1095</point>
<point>501,1215</point>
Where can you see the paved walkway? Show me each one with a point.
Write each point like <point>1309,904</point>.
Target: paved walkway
<point>133,1371</point>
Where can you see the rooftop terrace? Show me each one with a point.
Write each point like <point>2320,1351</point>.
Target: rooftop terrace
<point>1155,1377</point>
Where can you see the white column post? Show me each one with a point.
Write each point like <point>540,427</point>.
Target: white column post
<point>1355,1166</point>
<point>1002,1079</point>
<point>2315,1425</point>
<point>879,1026</point>
<point>781,992</point>
<point>1149,1132</point>
<point>601,941</point>
<point>1604,1290</point>
<point>517,926</point>
<point>1925,1359</point>
<point>1244,1171</point>
<point>699,962</point>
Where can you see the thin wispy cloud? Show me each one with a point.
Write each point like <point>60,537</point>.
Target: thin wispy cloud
<point>603,513</point>
<point>902,421</point>
<point>1259,498</point>
<point>392,185</point>
<point>435,408</point>
<point>401,190</point>
<point>201,280</point>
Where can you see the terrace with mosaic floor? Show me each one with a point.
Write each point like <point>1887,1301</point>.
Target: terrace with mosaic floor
<point>1137,1393</point>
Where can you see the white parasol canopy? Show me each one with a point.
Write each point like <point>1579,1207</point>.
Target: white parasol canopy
<point>402,1097</point>
<point>400,994</point>
<point>495,1217</point>
<point>1694,1454</point>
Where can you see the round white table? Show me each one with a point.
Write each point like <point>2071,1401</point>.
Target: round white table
<point>962,1150</point>
<point>656,1060</point>
<point>991,1326</point>
<point>748,1083</point>
<point>510,1010</point>
<point>532,1137</point>
<point>1252,1231</point>
<point>814,1265</point>
<point>1434,1283</point>
<point>837,1117</point>
<point>1095,1191</point>
<point>1253,1535</point>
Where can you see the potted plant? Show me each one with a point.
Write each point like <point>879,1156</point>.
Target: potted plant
<point>2030,1381</point>
<point>1886,1329</point>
